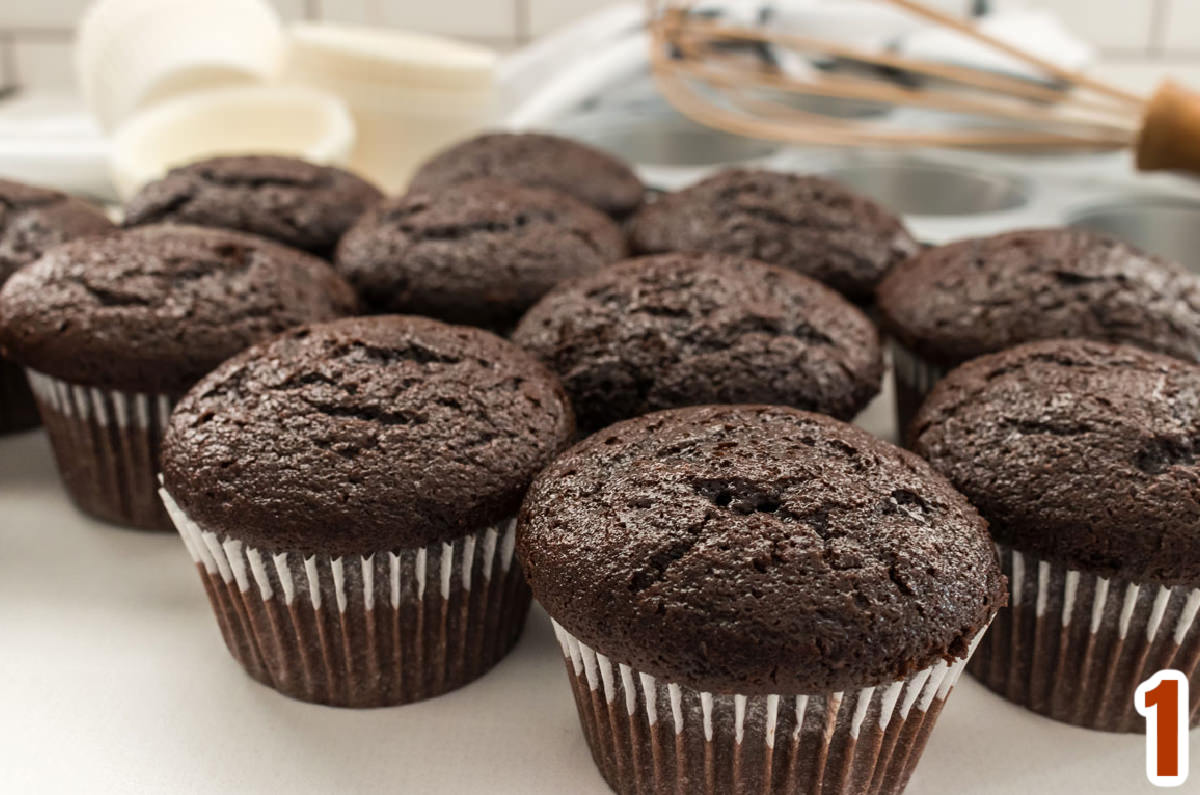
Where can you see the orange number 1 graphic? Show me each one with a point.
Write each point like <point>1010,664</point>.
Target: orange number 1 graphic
<point>1163,701</point>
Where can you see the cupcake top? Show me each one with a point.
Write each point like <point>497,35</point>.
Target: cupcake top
<point>294,202</point>
<point>955,302</point>
<point>363,435</point>
<point>811,225</point>
<point>1083,453</point>
<point>152,309</point>
<point>476,252</point>
<point>686,329</point>
<point>34,219</point>
<point>756,549</point>
<point>538,160</point>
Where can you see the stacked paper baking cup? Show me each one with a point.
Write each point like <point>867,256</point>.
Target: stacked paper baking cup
<point>410,94</point>
<point>242,119</point>
<point>131,54</point>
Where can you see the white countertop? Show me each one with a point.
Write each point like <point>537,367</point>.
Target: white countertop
<point>114,679</point>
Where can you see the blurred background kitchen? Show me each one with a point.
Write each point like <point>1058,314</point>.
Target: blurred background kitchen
<point>1136,40</point>
<point>100,97</point>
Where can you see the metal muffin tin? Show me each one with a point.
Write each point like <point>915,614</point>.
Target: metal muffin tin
<point>942,196</point>
<point>913,187</point>
<point>1169,227</point>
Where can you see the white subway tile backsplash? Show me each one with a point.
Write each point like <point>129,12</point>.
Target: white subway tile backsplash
<point>546,15</point>
<point>359,12</point>
<point>1135,32</point>
<point>1114,24</point>
<point>1181,26</point>
<point>40,14</point>
<point>1143,77</point>
<point>291,10</point>
<point>478,19</point>
<point>44,64</point>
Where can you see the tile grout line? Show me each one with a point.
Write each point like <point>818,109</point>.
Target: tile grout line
<point>9,76</point>
<point>521,21</point>
<point>1159,15</point>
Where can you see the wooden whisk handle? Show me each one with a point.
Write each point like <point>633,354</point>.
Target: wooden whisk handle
<point>1170,134</point>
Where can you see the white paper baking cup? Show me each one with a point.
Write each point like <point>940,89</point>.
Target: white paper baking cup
<point>915,379</point>
<point>650,735</point>
<point>268,119</point>
<point>131,54</point>
<point>1074,646</point>
<point>411,94</point>
<point>363,631</point>
<point>107,445</point>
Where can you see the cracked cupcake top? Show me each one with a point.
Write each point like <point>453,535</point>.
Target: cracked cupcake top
<point>364,435</point>
<point>477,252</point>
<point>754,549</point>
<point>955,302</point>
<point>1083,453</point>
<point>810,225</point>
<point>34,219</point>
<point>688,329</point>
<point>294,202</point>
<point>539,161</point>
<point>154,308</point>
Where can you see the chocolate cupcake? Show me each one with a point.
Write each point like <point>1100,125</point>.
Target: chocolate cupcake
<point>348,491</point>
<point>956,302</point>
<point>286,199</point>
<point>1082,456</point>
<point>478,253</point>
<point>810,225</point>
<point>756,599</point>
<point>688,329</point>
<point>540,161</point>
<point>113,330</point>
<point>32,220</point>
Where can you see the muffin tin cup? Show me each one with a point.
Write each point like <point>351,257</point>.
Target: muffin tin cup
<point>652,736</point>
<point>915,378</point>
<point>18,409</point>
<point>107,446</point>
<point>393,627</point>
<point>1074,647</point>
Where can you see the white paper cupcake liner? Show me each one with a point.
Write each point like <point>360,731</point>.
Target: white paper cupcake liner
<point>387,628</point>
<point>107,445</point>
<point>1074,646</point>
<point>651,736</point>
<point>915,378</point>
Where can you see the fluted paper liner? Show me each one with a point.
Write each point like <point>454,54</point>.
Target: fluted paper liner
<point>1074,646</point>
<point>107,445</point>
<point>652,736</point>
<point>914,380</point>
<point>364,631</point>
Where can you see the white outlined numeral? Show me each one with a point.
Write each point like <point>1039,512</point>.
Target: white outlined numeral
<point>1163,701</point>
